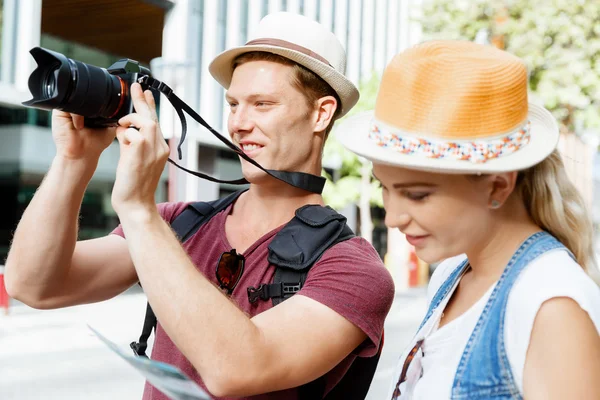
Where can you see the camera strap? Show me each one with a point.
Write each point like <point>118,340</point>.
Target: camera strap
<point>301,180</point>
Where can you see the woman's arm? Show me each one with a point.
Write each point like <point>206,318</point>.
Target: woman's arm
<point>563,359</point>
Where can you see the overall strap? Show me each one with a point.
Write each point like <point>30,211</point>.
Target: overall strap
<point>444,290</point>
<point>185,226</point>
<point>484,370</point>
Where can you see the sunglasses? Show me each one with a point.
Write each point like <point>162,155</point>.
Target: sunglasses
<point>409,359</point>
<point>229,270</point>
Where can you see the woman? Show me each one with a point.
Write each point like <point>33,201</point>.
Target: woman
<point>470,174</point>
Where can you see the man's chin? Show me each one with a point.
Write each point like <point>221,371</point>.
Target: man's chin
<point>254,175</point>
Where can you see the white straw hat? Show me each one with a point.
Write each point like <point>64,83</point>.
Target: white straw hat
<point>453,107</point>
<point>301,40</point>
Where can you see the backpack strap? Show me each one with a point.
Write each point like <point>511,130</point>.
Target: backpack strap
<point>297,247</point>
<point>356,382</point>
<point>185,226</point>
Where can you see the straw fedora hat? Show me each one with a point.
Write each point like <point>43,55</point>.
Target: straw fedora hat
<point>301,40</point>
<point>453,107</point>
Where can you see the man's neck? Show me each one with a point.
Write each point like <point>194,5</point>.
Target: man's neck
<point>267,208</point>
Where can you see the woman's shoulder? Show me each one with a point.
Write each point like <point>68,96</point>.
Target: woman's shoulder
<point>554,274</point>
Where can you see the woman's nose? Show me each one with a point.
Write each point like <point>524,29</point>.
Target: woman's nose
<point>396,215</point>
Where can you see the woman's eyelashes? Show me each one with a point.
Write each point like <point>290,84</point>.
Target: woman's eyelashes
<point>415,195</point>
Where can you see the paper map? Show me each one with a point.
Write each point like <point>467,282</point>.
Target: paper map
<point>165,377</point>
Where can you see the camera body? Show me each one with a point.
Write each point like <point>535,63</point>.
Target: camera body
<point>101,95</point>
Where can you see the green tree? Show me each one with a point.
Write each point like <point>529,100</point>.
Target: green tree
<point>559,40</point>
<point>354,183</point>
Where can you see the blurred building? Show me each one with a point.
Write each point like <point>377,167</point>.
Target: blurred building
<point>177,39</point>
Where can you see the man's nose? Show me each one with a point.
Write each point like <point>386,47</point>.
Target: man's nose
<point>240,121</point>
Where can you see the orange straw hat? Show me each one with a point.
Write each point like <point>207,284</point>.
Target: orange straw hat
<point>453,107</point>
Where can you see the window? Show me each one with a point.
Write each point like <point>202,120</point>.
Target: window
<point>1,26</point>
<point>318,10</point>
<point>222,37</point>
<point>21,116</point>
<point>78,51</point>
<point>244,22</point>
<point>201,44</point>
<point>265,8</point>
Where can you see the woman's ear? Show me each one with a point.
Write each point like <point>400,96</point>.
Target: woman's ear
<point>326,107</point>
<point>501,187</point>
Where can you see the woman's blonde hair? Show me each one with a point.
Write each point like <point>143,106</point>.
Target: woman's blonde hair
<point>555,205</point>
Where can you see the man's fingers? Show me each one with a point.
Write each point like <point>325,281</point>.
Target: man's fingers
<point>78,121</point>
<point>139,100</point>
<point>151,104</point>
<point>126,136</point>
<point>137,120</point>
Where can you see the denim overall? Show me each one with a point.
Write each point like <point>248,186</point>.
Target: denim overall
<point>484,371</point>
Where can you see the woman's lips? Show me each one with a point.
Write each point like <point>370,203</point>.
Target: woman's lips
<point>416,241</point>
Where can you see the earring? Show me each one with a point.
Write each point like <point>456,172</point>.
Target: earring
<point>495,204</point>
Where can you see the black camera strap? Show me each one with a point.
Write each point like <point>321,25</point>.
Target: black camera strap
<point>301,180</point>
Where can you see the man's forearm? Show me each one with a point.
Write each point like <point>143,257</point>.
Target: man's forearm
<point>45,237</point>
<point>213,333</point>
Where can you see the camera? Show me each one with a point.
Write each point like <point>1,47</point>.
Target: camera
<point>101,95</point>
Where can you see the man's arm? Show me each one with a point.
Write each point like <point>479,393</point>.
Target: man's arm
<point>563,359</point>
<point>285,347</point>
<point>46,266</point>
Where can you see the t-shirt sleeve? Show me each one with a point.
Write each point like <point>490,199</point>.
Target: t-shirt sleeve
<point>350,278</point>
<point>168,212</point>
<point>554,274</point>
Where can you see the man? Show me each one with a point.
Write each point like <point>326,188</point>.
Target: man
<point>280,114</point>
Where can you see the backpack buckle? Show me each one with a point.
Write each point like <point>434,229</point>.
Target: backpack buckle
<point>291,288</point>
<point>138,349</point>
<point>257,293</point>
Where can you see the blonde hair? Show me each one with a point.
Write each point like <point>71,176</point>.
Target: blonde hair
<point>555,205</point>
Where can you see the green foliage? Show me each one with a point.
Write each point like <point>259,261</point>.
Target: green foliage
<point>559,40</point>
<point>346,189</point>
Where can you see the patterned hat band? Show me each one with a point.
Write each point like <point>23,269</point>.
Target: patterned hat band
<point>476,151</point>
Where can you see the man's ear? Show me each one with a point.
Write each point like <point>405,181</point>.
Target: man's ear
<point>326,107</point>
<point>501,186</point>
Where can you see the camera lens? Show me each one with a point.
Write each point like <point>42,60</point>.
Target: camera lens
<point>50,84</point>
<point>73,86</point>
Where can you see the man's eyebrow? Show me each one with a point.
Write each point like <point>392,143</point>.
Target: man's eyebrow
<point>249,97</point>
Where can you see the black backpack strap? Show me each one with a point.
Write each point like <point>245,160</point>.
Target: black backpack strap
<point>185,226</point>
<point>197,214</point>
<point>297,247</point>
<point>354,385</point>
<point>356,382</point>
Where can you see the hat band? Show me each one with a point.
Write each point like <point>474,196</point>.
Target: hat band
<point>475,151</point>
<point>288,45</point>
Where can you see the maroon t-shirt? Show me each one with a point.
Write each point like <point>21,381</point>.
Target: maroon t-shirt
<point>350,278</point>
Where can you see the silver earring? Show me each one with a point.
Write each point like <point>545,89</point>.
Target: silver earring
<point>495,204</point>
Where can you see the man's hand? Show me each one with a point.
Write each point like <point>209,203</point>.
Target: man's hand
<point>75,143</point>
<point>144,153</point>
